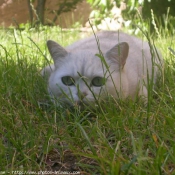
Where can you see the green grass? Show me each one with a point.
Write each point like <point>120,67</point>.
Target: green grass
<point>122,138</point>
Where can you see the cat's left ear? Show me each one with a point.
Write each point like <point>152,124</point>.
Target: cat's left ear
<point>118,54</point>
<point>56,51</point>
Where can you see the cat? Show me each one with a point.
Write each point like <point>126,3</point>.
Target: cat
<point>108,63</point>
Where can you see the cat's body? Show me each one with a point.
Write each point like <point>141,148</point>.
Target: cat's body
<point>129,63</point>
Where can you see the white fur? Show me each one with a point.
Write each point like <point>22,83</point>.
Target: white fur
<point>128,58</point>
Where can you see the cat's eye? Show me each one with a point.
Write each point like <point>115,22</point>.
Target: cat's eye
<point>68,81</point>
<point>98,81</point>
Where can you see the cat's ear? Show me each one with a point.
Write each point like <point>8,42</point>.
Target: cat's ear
<point>56,51</point>
<point>118,54</point>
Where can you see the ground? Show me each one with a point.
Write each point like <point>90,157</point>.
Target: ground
<point>16,11</point>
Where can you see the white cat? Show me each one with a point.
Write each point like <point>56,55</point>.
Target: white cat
<point>80,75</point>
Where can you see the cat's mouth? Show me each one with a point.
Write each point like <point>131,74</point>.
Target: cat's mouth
<point>84,104</point>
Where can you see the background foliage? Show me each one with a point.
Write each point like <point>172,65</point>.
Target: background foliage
<point>162,11</point>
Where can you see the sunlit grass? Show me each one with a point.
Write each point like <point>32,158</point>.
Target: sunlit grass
<point>121,138</point>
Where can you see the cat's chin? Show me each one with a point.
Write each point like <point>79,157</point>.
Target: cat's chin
<point>74,104</point>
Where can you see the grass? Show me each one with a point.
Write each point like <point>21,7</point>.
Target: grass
<point>122,138</point>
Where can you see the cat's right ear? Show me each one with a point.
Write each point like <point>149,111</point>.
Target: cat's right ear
<point>56,51</point>
<point>118,54</point>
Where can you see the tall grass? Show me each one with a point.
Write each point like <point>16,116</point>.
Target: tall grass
<point>121,138</point>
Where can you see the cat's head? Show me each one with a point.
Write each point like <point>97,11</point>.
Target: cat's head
<point>81,76</point>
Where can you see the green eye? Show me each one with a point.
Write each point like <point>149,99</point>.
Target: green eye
<point>68,81</point>
<point>98,81</point>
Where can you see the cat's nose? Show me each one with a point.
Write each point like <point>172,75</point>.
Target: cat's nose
<point>81,95</point>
